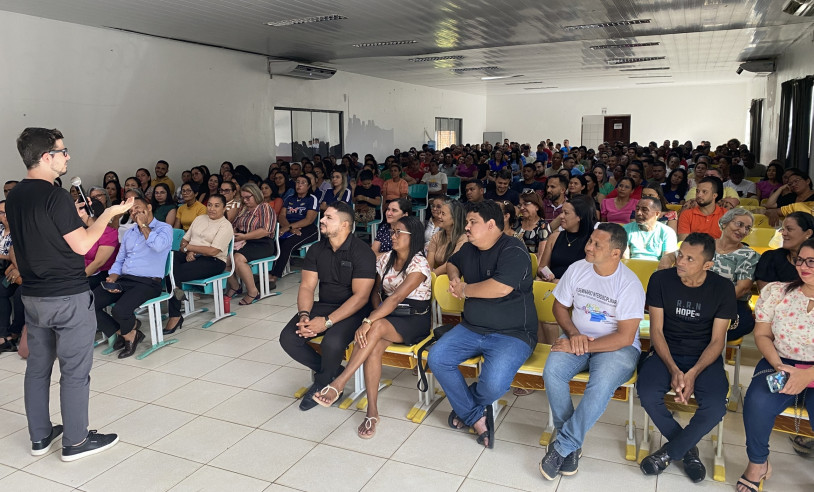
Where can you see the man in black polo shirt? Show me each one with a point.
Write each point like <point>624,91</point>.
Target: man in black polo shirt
<point>345,268</point>
<point>690,308</point>
<point>502,192</point>
<point>499,319</point>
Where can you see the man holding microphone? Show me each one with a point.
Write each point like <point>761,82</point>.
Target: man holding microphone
<point>50,242</point>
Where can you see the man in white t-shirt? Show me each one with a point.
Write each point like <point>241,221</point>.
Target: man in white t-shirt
<point>435,180</point>
<point>601,336</point>
<point>737,181</point>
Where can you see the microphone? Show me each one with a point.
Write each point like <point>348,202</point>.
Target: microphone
<point>75,181</point>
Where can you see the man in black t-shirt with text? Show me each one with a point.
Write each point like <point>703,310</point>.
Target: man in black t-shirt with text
<point>50,241</point>
<point>690,309</point>
<point>499,321</point>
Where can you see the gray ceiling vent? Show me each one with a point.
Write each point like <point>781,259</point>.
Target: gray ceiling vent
<point>802,8</point>
<point>299,70</point>
<point>760,67</point>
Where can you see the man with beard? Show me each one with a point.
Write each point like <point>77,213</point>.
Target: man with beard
<point>555,197</point>
<point>647,238</point>
<point>556,164</point>
<point>705,215</point>
<point>502,192</point>
<point>539,171</point>
<point>345,269</point>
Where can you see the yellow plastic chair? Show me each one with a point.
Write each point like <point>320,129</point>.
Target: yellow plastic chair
<point>761,221</point>
<point>643,269</point>
<point>786,422</point>
<point>544,300</point>
<point>754,179</point>
<point>749,202</point>
<point>534,264</point>
<point>759,237</point>
<point>674,207</point>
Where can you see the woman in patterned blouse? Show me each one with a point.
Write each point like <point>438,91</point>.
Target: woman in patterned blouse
<point>737,261</point>
<point>783,334</point>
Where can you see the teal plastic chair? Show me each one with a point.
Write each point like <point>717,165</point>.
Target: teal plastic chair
<point>213,285</point>
<point>372,226</point>
<point>303,250</point>
<point>419,194</point>
<point>454,187</point>
<point>262,266</point>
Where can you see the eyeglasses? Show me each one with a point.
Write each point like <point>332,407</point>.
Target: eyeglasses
<point>57,151</point>
<point>809,262</point>
<point>184,192</point>
<point>398,232</point>
<point>247,197</point>
<point>740,224</point>
<point>795,181</point>
<point>226,190</point>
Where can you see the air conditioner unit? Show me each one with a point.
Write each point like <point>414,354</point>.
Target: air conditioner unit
<point>802,8</point>
<point>299,70</point>
<point>760,67</point>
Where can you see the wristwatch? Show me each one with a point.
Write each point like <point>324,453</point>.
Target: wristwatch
<point>367,320</point>
<point>186,250</point>
<point>328,322</point>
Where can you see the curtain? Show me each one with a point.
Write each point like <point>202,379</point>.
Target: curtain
<point>756,126</point>
<point>794,141</point>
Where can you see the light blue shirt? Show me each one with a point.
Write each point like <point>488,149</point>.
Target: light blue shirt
<point>650,245</point>
<point>144,257</point>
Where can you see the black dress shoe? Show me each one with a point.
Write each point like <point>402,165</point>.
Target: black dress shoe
<point>119,343</point>
<point>42,447</point>
<point>176,327</point>
<point>693,466</point>
<point>94,443</point>
<point>130,347</point>
<point>308,402</point>
<point>656,462</point>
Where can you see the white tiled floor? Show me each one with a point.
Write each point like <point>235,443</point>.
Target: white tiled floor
<point>215,412</point>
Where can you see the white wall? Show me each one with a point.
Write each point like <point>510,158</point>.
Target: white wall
<point>693,112</point>
<point>124,101</point>
<point>796,62</point>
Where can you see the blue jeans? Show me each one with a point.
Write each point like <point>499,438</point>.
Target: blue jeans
<point>608,371</point>
<point>761,406</point>
<point>502,357</point>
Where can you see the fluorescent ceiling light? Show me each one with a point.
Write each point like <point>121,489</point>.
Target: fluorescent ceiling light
<point>624,45</point>
<point>383,43</point>
<point>650,83</point>
<point>475,69</point>
<point>435,58</point>
<point>496,77</point>
<point>607,24</point>
<point>648,76</point>
<point>306,20</point>
<point>523,83</point>
<point>623,61</point>
<point>642,69</point>
<point>537,88</point>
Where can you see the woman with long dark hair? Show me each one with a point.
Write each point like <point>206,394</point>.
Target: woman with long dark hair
<point>164,207</point>
<point>446,242</point>
<point>771,181</point>
<point>144,179</point>
<point>676,186</point>
<point>403,277</point>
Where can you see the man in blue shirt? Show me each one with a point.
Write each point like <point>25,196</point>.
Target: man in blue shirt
<point>136,276</point>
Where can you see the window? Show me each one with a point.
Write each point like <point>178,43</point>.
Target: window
<point>447,132</point>
<point>302,133</point>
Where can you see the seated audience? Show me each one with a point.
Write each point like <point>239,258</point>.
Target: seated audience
<point>137,274</point>
<point>649,239</point>
<point>452,221</point>
<point>528,184</point>
<point>367,197</point>
<point>432,222</point>
<point>509,217</point>
<point>492,273</point>
<point>395,187</point>
<point>267,190</point>
<point>163,204</point>
<point>99,194</point>
<point>532,228</point>
<point>435,180</point>
<point>783,334</point>
<point>102,254</point>
<point>213,183</point>
<point>233,203</point>
<point>667,217</point>
<point>144,180</point>
<point>282,188</point>
<point>620,208</point>
<point>114,192</point>
<point>675,189</point>
<point>345,269</point>
<point>203,253</point>
<point>253,233</point>
<point>396,209</point>
<point>502,191</point>
<point>555,197</point>
<point>601,337</point>
<point>297,225</point>
<point>777,265</point>
<point>9,286</point>
<point>339,191</point>
<point>402,277</point>
<point>634,171</point>
<point>189,210</point>
<point>161,168</point>
<point>771,181</point>
<point>125,221</point>
<point>738,182</point>
<point>690,309</point>
<point>474,190</point>
<point>727,192</point>
<point>797,190</point>
<point>704,216</point>
<point>468,169</point>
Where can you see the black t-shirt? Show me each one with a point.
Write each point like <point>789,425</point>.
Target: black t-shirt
<point>39,214</point>
<point>522,187</point>
<point>373,192</point>
<point>507,262</point>
<point>790,198</point>
<point>774,266</point>
<point>336,270</point>
<point>510,195</point>
<point>689,312</point>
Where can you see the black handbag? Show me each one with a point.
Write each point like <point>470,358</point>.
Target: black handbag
<point>437,333</point>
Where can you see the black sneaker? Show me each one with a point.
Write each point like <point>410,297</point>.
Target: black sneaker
<point>656,462</point>
<point>551,464</point>
<point>693,466</point>
<point>42,447</point>
<point>571,463</point>
<point>94,443</point>
<point>308,402</point>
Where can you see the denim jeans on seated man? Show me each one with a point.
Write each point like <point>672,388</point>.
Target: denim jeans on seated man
<point>608,371</point>
<point>502,357</point>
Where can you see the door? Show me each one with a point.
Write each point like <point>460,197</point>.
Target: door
<point>617,129</point>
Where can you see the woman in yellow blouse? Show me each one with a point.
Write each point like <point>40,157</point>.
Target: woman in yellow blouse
<point>189,210</point>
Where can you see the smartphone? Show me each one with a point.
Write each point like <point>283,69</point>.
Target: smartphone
<point>546,272</point>
<point>111,286</point>
<point>777,380</point>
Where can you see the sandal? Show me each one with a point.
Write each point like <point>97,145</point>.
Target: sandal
<point>8,345</point>
<point>490,429</point>
<point>324,392</point>
<point>234,292</point>
<point>522,392</point>
<point>254,299</point>
<point>451,421</point>
<point>754,486</point>
<point>368,426</point>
